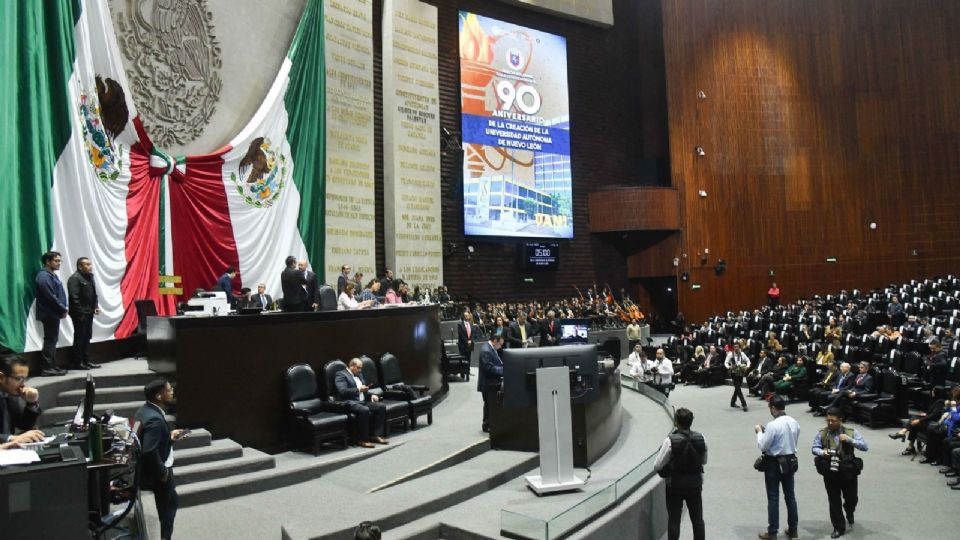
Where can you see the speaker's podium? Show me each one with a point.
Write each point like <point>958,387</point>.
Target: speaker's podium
<point>565,397</point>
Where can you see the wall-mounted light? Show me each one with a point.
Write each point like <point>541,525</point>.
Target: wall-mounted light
<point>873,226</point>
<point>700,151</point>
<point>702,193</point>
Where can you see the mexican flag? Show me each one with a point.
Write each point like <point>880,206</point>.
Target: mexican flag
<point>90,183</point>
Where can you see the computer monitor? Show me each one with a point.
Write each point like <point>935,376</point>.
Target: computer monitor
<point>520,367</point>
<point>574,331</point>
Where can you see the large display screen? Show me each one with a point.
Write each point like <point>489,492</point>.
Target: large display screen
<point>515,130</point>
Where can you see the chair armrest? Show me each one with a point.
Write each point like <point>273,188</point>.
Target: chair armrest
<point>335,406</point>
<point>884,400</point>
<point>395,395</point>
<point>300,412</point>
<point>865,397</point>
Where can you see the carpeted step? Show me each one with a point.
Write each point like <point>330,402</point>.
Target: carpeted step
<point>250,461</point>
<point>198,438</point>
<point>217,450</point>
<point>259,481</point>
<point>117,394</point>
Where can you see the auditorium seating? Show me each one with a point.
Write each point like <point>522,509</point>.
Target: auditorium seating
<point>416,396</point>
<point>900,364</point>
<point>314,420</point>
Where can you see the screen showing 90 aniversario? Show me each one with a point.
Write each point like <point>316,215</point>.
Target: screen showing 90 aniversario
<point>516,130</point>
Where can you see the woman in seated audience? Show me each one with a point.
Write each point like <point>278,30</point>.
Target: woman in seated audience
<point>919,423</point>
<point>773,343</point>
<point>499,327</point>
<point>346,301</point>
<point>825,356</point>
<point>794,373</point>
<point>687,369</point>
<point>833,333</point>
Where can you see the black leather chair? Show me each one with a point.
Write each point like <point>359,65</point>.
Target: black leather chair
<point>416,396</point>
<point>314,421</point>
<point>328,298</point>
<point>454,364</point>
<point>398,410</point>
<point>888,405</point>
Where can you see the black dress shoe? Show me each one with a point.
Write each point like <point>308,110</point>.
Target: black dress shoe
<point>836,534</point>
<point>91,365</point>
<point>744,408</point>
<point>895,436</point>
<point>79,366</point>
<point>908,452</point>
<point>52,373</point>
<point>924,460</point>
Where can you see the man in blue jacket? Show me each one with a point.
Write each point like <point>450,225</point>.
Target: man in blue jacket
<point>490,375</point>
<point>51,308</point>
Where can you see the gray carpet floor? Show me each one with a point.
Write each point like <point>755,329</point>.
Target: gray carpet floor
<point>899,499</point>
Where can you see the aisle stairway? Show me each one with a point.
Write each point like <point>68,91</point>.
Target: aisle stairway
<point>204,465</point>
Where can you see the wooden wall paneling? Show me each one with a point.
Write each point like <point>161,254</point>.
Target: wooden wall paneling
<point>634,209</point>
<point>820,118</point>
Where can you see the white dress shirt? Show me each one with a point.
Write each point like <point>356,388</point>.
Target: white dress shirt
<point>345,302</point>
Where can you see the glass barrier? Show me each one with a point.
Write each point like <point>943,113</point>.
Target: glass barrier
<point>519,525</point>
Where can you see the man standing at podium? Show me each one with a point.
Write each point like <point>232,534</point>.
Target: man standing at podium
<point>490,375</point>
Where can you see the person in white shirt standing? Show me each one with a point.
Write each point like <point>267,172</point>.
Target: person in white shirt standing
<point>778,443</point>
<point>737,364</point>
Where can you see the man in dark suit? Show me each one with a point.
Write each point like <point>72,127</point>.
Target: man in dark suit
<point>19,404</point>
<point>365,407</point>
<point>467,333</point>
<point>862,384</point>
<point>293,283</point>
<point>549,330</point>
<point>156,452</point>
<point>83,307</point>
<point>825,385</point>
<point>343,279</point>
<point>225,284</point>
<point>489,376</point>
<point>842,383</point>
<point>51,307</point>
<point>312,288</point>
<point>260,300</point>
<point>520,332</point>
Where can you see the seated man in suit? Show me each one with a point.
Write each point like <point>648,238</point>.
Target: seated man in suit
<point>825,386</point>
<point>520,332</point>
<point>353,391</point>
<point>862,384</point>
<point>19,404</point>
<point>489,376</point>
<point>156,458</point>
<point>261,299</point>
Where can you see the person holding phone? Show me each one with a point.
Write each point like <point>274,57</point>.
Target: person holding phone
<point>156,452</point>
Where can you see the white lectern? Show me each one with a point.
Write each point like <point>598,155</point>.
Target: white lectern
<point>556,438</point>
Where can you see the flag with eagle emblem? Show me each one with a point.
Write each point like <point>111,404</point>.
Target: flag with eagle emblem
<point>92,184</point>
